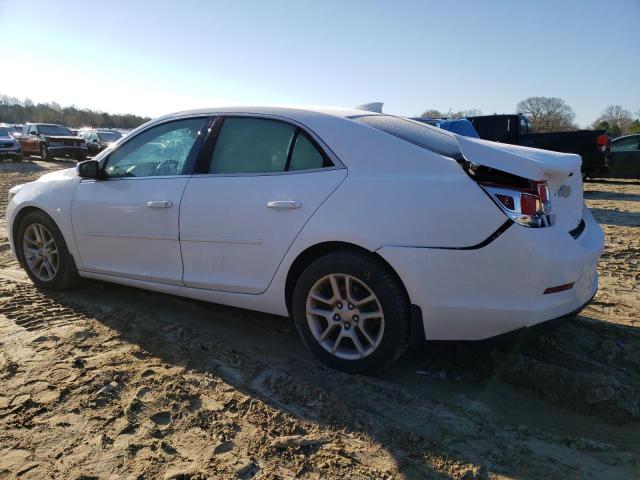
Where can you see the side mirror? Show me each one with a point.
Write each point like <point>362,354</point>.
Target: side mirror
<point>88,169</point>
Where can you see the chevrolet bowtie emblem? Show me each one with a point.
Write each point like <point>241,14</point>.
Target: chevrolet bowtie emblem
<point>564,191</point>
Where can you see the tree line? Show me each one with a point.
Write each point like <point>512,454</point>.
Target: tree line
<point>15,110</point>
<point>552,114</point>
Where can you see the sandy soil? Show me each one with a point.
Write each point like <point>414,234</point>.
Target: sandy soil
<point>112,382</point>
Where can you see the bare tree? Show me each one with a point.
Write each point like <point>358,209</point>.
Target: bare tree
<point>547,114</point>
<point>431,114</point>
<point>617,120</point>
<point>472,112</point>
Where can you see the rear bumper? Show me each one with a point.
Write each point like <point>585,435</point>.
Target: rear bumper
<point>480,293</point>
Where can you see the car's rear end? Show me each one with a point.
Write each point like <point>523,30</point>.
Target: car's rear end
<point>539,265</point>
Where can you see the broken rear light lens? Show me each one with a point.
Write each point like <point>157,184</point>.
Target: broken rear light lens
<point>525,201</point>
<point>506,200</point>
<point>526,206</point>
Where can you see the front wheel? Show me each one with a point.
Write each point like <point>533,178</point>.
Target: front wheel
<point>352,312</point>
<point>44,153</point>
<point>43,252</point>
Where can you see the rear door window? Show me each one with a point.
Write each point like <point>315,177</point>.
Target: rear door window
<point>305,156</point>
<point>248,145</point>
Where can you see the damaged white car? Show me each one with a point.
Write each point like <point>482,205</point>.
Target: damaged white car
<point>371,231</point>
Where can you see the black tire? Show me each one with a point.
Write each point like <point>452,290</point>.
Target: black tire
<point>383,283</point>
<point>67,274</point>
<point>44,153</point>
<point>17,158</point>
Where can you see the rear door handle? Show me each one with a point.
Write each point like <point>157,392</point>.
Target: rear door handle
<point>284,204</point>
<point>160,204</point>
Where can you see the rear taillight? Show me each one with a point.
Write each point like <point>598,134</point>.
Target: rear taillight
<point>529,206</point>
<point>525,201</point>
<point>603,142</point>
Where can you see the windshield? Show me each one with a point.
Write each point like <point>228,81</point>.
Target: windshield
<point>4,132</point>
<point>109,136</point>
<point>54,130</point>
<point>425,136</point>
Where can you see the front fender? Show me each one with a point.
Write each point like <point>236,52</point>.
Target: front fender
<point>53,197</point>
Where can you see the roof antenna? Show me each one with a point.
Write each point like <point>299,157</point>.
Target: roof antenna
<point>448,113</point>
<point>375,107</point>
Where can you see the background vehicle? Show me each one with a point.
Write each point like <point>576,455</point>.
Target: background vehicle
<point>280,210</point>
<point>50,140</point>
<point>624,157</point>
<point>591,145</point>
<point>14,129</point>
<point>9,146</point>
<point>99,139</point>
<point>461,126</point>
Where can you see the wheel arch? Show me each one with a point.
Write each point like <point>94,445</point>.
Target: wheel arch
<point>312,253</point>
<point>20,214</point>
<point>17,219</point>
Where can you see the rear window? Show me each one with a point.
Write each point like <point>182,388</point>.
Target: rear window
<point>425,136</point>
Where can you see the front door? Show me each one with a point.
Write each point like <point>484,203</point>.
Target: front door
<point>126,223</point>
<point>624,159</point>
<point>29,140</point>
<point>265,179</point>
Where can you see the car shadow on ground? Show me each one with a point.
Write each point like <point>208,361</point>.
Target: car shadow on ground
<point>573,365</point>
<point>619,218</point>
<point>613,196</point>
<point>614,181</point>
<point>26,166</point>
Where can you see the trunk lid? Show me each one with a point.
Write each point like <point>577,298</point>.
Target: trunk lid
<point>560,170</point>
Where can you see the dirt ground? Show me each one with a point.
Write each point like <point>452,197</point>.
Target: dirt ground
<point>110,382</point>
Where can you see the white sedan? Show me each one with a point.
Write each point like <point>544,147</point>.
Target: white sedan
<point>372,231</point>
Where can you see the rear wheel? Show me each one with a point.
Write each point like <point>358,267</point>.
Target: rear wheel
<point>352,312</point>
<point>43,252</point>
<point>17,158</point>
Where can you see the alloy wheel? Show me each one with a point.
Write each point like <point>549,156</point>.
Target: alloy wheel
<point>40,252</point>
<point>345,316</point>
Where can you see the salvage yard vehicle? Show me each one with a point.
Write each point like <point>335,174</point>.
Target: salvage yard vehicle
<point>624,158</point>
<point>461,126</point>
<point>9,146</point>
<point>373,232</point>
<point>50,141</point>
<point>99,139</point>
<point>591,145</point>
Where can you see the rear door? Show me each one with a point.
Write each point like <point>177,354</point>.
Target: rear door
<point>261,182</point>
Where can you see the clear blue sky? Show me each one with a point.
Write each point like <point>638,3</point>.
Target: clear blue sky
<point>153,57</point>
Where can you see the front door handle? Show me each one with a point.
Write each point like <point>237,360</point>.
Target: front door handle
<point>160,204</point>
<point>284,204</point>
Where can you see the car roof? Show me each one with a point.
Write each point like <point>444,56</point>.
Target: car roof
<point>293,112</point>
<point>633,135</point>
